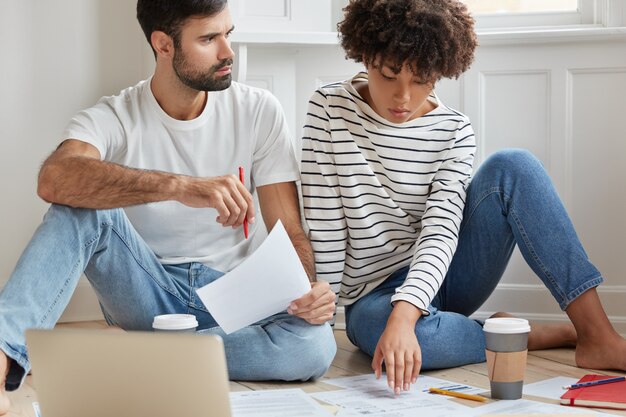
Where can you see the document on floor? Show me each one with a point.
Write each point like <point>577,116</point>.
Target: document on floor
<point>528,408</point>
<point>382,402</point>
<point>550,388</point>
<point>368,382</point>
<point>262,285</point>
<point>275,403</point>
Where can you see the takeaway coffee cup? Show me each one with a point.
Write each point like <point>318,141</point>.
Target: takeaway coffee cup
<point>507,341</point>
<point>175,323</point>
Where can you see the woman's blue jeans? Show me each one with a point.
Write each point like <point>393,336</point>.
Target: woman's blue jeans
<point>132,287</point>
<point>510,201</point>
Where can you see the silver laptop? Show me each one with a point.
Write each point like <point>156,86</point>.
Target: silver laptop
<point>98,373</point>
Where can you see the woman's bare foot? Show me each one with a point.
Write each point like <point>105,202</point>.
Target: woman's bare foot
<point>599,345</point>
<point>548,336</point>
<point>5,404</point>
<point>602,353</point>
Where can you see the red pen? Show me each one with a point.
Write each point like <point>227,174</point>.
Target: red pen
<point>245,220</point>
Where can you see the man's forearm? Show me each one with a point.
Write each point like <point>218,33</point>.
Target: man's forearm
<point>79,181</point>
<point>305,252</point>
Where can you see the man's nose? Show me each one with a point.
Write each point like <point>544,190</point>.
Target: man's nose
<point>225,51</point>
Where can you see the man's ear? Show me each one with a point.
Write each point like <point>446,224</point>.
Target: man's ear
<point>162,43</point>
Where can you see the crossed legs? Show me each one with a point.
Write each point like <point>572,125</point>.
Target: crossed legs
<point>511,201</point>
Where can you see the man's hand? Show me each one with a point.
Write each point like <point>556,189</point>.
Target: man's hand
<point>317,306</point>
<point>399,349</point>
<point>226,194</point>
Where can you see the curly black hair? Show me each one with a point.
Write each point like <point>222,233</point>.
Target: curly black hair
<point>435,38</point>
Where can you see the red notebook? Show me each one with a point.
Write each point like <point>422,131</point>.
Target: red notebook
<point>611,395</point>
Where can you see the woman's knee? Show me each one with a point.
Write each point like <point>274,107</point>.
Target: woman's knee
<point>514,160</point>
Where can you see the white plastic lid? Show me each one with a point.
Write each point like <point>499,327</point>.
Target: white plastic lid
<point>174,322</point>
<point>506,325</point>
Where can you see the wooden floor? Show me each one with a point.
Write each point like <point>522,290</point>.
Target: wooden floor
<point>349,361</point>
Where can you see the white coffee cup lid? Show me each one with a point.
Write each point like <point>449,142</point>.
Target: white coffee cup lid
<point>174,322</point>
<point>506,325</point>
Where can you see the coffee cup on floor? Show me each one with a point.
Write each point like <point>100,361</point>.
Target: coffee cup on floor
<point>175,323</point>
<point>506,350</point>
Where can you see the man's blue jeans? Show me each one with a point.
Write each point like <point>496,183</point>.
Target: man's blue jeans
<point>132,287</point>
<point>511,200</point>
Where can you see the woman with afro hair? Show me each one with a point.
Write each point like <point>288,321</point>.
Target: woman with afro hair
<point>410,245</point>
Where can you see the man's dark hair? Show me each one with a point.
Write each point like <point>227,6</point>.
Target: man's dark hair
<point>170,15</point>
<point>434,37</point>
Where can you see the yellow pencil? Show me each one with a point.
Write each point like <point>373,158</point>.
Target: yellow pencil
<point>457,394</point>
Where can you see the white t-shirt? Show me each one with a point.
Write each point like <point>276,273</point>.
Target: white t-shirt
<point>240,126</point>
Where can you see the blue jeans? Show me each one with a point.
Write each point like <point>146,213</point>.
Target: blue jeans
<point>511,200</point>
<point>132,287</point>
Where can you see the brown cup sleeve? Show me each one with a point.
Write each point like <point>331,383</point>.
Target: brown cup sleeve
<point>506,366</point>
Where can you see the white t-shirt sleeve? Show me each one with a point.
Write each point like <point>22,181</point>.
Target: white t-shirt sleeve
<point>274,157</point>
<point>99,126</point>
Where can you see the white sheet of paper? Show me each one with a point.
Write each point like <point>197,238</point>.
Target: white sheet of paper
<point>275,403</point>
<point>526,407</point>
<point>384,403</point>
<point>368,382</point>
<point>550,388</point>
<point>262,285</point>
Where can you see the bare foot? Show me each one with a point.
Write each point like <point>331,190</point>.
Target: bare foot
<point>5,404</point>
<point>548,336</point>
<point>604,353</point>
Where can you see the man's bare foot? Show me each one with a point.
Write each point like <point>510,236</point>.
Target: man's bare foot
<point>5,404</point>
<point>602,353</point>
<point>548,336</point>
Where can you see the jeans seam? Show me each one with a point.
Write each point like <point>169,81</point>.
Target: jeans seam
<point>193,276</point>
<point>486,194</point>
<point>136,258</point>
<point>44,318</point>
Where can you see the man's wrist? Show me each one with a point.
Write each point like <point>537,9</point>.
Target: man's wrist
<point>178,186</point>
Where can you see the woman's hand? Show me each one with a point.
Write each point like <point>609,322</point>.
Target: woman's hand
<point>399,349</point>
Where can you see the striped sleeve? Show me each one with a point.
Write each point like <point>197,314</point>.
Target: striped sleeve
<point>323,208</point>
<point>441,222</point>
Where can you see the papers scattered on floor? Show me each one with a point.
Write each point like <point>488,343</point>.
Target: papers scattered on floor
<point>550,388</point>
<point>379,403</point>
<point>366,383</point>
<point>262,285</point>
<point>520,408</point>
<point>366,395</point>
<point>275,403</point>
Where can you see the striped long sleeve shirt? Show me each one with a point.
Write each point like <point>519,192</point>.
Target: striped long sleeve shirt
<point>379,196</point>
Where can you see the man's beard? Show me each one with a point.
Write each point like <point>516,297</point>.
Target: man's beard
<point>200,81</point>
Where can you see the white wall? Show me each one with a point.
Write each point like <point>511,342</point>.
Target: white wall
<point>58,57</point>
<point>562,98</point>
